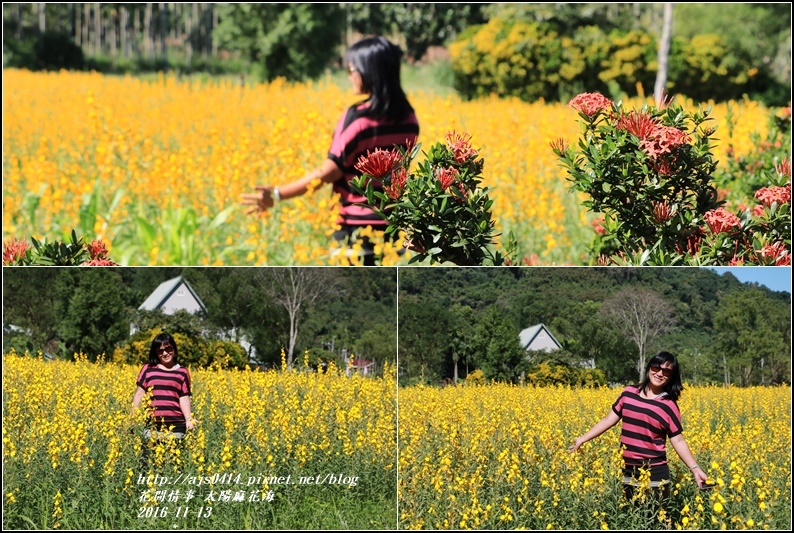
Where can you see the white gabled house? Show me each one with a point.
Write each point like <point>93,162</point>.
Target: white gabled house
<point>178,295</point>
<point>538,338</point>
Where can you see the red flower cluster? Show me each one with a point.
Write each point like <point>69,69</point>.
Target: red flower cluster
<point>639,124</point>
<point>662,212</point>
<point>379,163</point>
<point>559,145</point>
<point>769,195</point>
<point>96,249</point>
<point>98,252</point>
<point>663,140</point>
<point>721,220</point>
<point>691,243</point>
<point>447,176</point>
<point>458,143</point>
<point>14,250</point>
<point>99,263</point>
<point>597,225</point>
<point>590,103</point>
<point>396,186</point>
<point>777,252</point>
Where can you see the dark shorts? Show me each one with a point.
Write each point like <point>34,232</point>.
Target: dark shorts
<point>659,496</point>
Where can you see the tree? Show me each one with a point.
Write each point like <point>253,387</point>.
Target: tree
<point>29,304</point>
<point>664,50</point>
<point>290,40</point>
<point>462,318</point>
<point>498,348</point>
<point>424,339</point>
<point>92,317</point>
<point>641,315</point>
<point>378,344</point>
<point>297,290</point>
<point>419,25</point>
<point>753,338</point>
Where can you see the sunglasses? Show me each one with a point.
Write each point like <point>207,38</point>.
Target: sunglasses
<point>659,368</point>
<point>166,349</point>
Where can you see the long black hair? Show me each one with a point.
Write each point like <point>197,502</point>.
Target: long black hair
<point>377,60</point>
<point>163,339</point>
<point>673,387</point>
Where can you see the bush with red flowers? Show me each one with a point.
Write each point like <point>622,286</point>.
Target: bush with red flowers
<point>650,174</point>
<point>17,252</point>
<point>442,207</point>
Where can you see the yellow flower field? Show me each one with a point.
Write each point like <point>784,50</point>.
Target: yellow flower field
<point>496,457</point>
<point>72,453</point>
<point>156,168</point>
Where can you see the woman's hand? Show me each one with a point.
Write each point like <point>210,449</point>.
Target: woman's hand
<point>700,477</point>
<point>261,200</point>
<point>191,423</point>
<point>576,444</point>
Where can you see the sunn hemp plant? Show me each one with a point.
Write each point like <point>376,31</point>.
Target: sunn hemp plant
<point>442,207</point>
<point>650,173</point>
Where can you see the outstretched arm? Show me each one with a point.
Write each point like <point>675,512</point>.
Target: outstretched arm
<point>683,451</point>
<point>263,199</point>
<point>604,424</point>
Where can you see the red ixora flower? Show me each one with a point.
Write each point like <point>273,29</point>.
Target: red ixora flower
<point>447,176</point>
<point>663,140</point>
<point>662,212</point>
<point>97,249</point>
<point>459,144</point>
<point>639,124</point>
<point>396,186</point>
<point>721,221</point>
<point>379,163</point>
<point>99,263</point>
<point>770,195</point>
<point>690,244</point>
<point>14,250</point>
<point>777,252</point>
<point>559,145</point>
<point>590,103</point>
<point>597,225</point>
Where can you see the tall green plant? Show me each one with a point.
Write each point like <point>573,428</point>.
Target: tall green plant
<point>650,172</point>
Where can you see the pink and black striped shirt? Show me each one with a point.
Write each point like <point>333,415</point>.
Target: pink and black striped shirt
<point>167,387</point>
<point>355,135</point>
<point>647,424</point>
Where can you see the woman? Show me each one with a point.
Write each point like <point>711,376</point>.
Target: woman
<point>650,415</point>
<point>383,120</point>
<point>170,414</point>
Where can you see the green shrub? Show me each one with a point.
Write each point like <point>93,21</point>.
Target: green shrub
<point>193,350</point>
<point>520,59</point>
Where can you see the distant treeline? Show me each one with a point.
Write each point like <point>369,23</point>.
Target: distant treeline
<point>722,330</point>
<point>747,45</point>
<point>61,311</point>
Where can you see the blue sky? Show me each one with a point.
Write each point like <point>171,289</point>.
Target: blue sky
<point>775,278</point>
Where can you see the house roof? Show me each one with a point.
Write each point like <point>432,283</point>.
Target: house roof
<point>164,291</point>
<point>528,335</point>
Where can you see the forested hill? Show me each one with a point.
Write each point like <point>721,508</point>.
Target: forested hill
<point>64,310</point>
<point>721,329</point>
